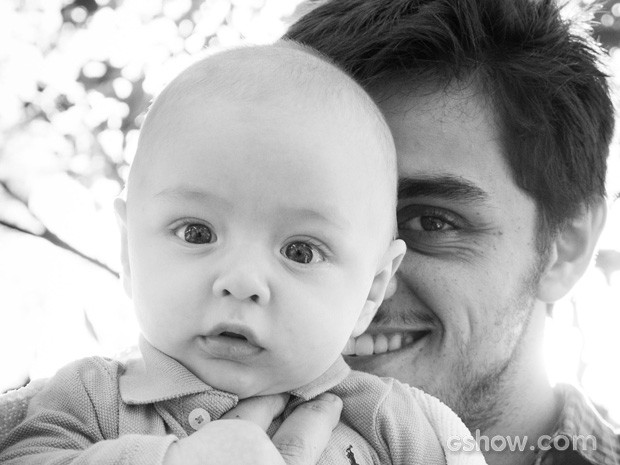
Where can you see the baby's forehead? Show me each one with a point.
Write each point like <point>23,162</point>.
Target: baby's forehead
<point>290,86</point>
<point>293,74</point>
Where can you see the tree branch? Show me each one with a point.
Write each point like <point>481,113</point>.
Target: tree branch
<point>17,228</point>
<point>49,235</point>
<point>57,241</point>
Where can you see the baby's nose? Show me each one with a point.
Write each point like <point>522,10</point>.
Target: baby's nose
<point>242,283</point>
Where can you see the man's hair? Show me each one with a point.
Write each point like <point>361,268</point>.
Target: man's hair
<point>540,72</point>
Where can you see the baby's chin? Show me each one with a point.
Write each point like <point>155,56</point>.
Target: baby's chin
<point>252,391</point>
<point>250,388</point>
<point>256,380</point>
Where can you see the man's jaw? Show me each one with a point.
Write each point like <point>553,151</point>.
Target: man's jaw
<point>378,342</point>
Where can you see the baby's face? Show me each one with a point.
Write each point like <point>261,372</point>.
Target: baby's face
<point>252,245</point>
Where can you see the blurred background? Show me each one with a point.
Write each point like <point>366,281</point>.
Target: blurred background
<point>76,78</point>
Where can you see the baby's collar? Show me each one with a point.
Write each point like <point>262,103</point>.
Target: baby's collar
<point>156,377</point>
<point>334,375</point>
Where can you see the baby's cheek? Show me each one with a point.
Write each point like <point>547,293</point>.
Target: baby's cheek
<point>309,342</point>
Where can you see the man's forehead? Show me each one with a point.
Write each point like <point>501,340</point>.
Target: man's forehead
<point>449,147</point>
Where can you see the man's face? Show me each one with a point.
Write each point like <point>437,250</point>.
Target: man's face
<point>249,258</point>
<point>461,316</point>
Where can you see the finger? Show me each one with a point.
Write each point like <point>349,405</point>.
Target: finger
<point>259,410</point>
<point>305,433</point>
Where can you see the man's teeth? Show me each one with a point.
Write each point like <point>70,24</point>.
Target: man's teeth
<point>381,344</point>
<point>395,342</point>
<point>368,344</point>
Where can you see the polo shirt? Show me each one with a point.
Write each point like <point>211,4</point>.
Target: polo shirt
<point>98,410</point>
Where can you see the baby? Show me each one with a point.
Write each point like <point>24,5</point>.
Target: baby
<point>257,238</point>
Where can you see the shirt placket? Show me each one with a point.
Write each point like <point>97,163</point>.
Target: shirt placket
<point>187,414</point>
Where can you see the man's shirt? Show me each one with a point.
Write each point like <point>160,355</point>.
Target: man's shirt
<point>582,436</point>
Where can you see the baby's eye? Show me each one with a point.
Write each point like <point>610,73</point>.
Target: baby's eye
<point>196,233</point>
<point>302,252</point>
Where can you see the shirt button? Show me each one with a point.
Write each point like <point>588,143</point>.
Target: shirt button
<point>198,418</point>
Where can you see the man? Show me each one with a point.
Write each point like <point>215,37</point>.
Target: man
<point>502,120</point>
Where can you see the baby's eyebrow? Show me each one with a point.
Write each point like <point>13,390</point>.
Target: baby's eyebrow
<point>190,194</point>
<point>322,215</point>
<point>448,187</point>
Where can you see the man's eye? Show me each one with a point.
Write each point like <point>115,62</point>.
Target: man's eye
<point>426,219</point>
<point>196,233</point>
<point>302,252</point>
<point>425,223</point>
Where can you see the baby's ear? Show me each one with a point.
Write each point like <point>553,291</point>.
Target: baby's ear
<point>120,207</point>
<point>387,267</point>
<point>571,252</point>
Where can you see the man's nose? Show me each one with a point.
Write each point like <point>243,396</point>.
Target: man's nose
<point>243,279</point>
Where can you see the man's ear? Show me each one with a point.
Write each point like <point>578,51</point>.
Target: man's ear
<point>571,252</point>
<point>387,267</point>
<point>120,207</point>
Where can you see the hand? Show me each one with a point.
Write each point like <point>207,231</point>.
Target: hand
<point>239,436</point>
<point>303,436</point>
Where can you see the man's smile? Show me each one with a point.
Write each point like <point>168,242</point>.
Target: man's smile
<point>382,342</point>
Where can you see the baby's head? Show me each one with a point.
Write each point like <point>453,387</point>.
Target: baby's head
<point>259,221</point>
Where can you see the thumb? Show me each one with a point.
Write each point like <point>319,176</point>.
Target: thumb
<point>259,410</point>
<point>303,436</point>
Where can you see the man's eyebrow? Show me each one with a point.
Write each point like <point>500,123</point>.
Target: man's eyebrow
<point>444,186</point>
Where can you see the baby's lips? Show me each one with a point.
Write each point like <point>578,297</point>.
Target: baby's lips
<point>235,330</point>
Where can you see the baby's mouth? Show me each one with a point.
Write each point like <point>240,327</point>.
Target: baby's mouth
<point>380,343</point>
<point>234,342</point>
<point>233,335</point>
